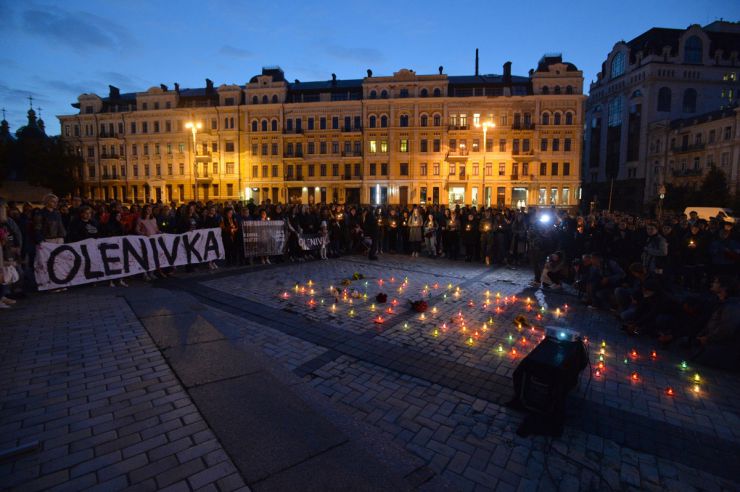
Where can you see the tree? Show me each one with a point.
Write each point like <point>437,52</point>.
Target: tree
<point>47,162</point>
<point>714,190</point>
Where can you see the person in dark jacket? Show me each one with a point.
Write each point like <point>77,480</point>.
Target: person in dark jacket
<point>373,231</point>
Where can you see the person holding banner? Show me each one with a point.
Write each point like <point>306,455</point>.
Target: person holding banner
<point>146,225</point>
<point>416,222</point>
<point>229,229</point>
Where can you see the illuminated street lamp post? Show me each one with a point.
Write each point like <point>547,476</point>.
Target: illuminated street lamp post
<point>194,126</point>
<point>485,125</point>
<point>661,195</point>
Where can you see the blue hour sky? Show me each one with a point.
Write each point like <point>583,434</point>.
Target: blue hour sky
<point>55,51</point>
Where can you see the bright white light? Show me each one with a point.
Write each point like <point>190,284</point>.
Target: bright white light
<point>377,194</point>
<point>545,218</point>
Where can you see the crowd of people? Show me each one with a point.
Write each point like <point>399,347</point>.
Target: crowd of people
<point>674,278</point>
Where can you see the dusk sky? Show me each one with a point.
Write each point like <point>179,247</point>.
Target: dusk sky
<point>55,51</point>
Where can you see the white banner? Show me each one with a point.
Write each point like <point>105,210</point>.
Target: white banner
<point>94,260</point>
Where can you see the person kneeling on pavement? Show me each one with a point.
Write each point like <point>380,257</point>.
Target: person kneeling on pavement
<point>604,276</point>
<point>651,310</point>
<point>554,272</point>
<point>719,341</point>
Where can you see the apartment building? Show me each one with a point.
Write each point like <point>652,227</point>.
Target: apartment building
<point>403,138</point>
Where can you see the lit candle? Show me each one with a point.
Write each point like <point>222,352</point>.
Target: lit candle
<point>653,354</point>
<point>633,353</point>
<point>635,376</point>
<point>669,391</point>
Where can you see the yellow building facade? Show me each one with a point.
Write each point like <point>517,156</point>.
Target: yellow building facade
<point>498,140</point>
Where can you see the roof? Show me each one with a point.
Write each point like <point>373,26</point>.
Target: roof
<point>723,36</point>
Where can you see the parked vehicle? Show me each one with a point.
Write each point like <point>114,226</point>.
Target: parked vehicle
<point>707,213</point>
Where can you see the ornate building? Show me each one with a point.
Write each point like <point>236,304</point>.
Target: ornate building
<point>405,138</point>
<point>662,74</point>
<point>682,151</point>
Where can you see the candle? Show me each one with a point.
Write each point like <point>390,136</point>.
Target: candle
<point>669,391</point>
<point>635,376</point>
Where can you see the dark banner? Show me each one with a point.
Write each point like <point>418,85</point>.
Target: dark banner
<point>308,242</point>
<point>263,237</point>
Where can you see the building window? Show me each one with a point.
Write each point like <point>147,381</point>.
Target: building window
<point>437,117</point>
<point>373,146</point>
<point>567,145</point>
<point>423,145</point>
<point>404,169</point>
<point>229,168</point>
<point>545,118</point>
<point>274,170</point>
<point>404,120</point>
<point>556,145</point>
<point>384,121</point>
<point>568,118</point>
<point>335,122</point>
<point>384,169</point>
<point>476,145</point>
<point>373,169</point>
<point>424,120</point>
<point>502,145</point>
<point>615,112</point>
<point>322,170</point>
<point>689,101</point>
<point>554,169</point>
<point>404,145</point>
<point>182,169</point>
<point>373,121</point>
<point>692,50</point>
<point>617,65</point>
<point>543,169</point>
<point>664,99</point>
<point>543,145</point>
<point>229,146</point>
<point>384,146</point>
<point>453,168</point>
<point>435,169</point>
<point>423,169</point>
<point>436,145</point>
<point>501,168</point>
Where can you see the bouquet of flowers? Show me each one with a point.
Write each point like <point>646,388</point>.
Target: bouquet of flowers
<point>419,306</point>
<point>381,298</point>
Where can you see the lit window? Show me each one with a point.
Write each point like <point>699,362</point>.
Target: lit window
<point>373,146</point>
<point>617,65</point>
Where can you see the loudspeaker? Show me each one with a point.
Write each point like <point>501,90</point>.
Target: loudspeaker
<point>542,381</point>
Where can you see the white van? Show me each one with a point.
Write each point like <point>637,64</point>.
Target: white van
<point>707,213</point>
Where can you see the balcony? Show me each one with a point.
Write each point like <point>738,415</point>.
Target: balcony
<point>349,129</point>
<point>457,155</point>
<point>522,154</point>
<point>293,131</point>
<point>685,173</point>
<point>293,155</point>
<point>290,177</point>
<point>458,127</point>
<point>522,126</point>
<point>688,148</point>
<point>110,156</point>
<point>351,154</point>
<point>203,157</point>
<point>350,177</point>
<point>458,177</point>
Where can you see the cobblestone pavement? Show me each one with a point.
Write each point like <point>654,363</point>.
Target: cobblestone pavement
<point>80,375</point>
<point>437,386</point>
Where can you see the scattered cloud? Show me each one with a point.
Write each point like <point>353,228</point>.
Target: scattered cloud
<point>229,50</point>
<point>360,55</point>
<point>81,31</point>
<point>9,94</point>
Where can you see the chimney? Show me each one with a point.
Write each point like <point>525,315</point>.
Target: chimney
<point>441,69</point>
<point>476,62</point>
<point>114,92</point>
<point>333,79</point>
<point>163,87</point>
<point>209,86</point>
<point>507,72</point>
<point>369,73</point>
<point>177,87</point>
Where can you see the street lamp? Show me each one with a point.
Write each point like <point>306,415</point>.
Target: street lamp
<point>194,126</point>
<point>661,195</point>
<point>485,125</point>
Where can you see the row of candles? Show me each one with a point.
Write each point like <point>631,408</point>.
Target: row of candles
<point>600,370</point>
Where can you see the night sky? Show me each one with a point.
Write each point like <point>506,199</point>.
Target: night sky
<point>55,51</point>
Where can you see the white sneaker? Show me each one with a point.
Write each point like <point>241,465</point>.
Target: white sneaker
<point>122,283</point>
<point>111,284</point>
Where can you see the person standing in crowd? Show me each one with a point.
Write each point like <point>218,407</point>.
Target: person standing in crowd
<point>11,242</point>
<point>416,222</point>
<point>114,228</point>
<point>470,237</point>
<point>452,235</point>
<point>430,236</point>
<point>655,251</point>
<point>146,225</point>
<point>372,230</point>
<point>229,228</point>
<point>84,227</point>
